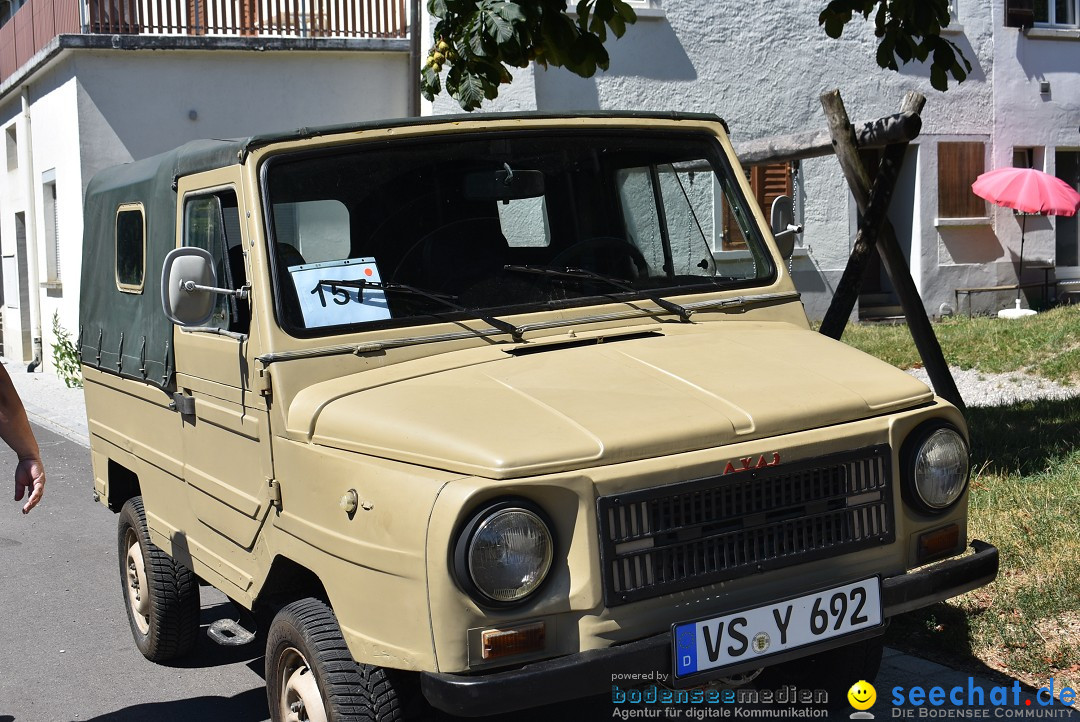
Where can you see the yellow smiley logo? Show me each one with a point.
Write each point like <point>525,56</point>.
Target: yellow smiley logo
<point>862,695</point>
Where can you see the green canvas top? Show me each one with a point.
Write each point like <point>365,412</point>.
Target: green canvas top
<point>125,332</point>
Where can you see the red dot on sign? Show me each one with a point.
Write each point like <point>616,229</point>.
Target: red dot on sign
<point>367,271</point>
<point>1027,702</point>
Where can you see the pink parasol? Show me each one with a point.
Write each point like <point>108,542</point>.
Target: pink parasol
<point>1029,191</point>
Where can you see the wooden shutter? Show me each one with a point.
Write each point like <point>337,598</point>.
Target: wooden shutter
<point>959,164</point>
<point>1019,13</point>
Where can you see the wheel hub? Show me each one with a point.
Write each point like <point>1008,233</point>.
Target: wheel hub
<point>137,588</point>
<point>300,699</point>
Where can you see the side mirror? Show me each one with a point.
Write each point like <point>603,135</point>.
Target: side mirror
<point>187,281</point>
<point>783,226</point>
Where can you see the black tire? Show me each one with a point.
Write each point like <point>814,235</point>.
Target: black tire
<point>161,597</point>
<point>834,671</point>
<point>305,639</point>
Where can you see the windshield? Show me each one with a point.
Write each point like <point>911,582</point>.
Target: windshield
<point>503,223</point>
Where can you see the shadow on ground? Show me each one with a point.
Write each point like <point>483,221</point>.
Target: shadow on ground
<point>1025,437</point>
<point>249,706</point>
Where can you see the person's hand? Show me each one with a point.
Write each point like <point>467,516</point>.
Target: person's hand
<point>29,477</point>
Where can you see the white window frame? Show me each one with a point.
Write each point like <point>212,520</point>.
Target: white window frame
<point>51,228</point>
<point>1051,12</point>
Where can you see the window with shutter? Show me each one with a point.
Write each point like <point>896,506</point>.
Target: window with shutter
<point>56,238</point>
<point>959,164</point>
<point>51,230</point>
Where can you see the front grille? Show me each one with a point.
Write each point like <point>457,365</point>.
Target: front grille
<point>670,538</point>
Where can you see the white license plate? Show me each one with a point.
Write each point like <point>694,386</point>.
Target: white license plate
<point>763,631</point>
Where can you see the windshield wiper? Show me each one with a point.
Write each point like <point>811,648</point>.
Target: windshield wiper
<point>444,299</point>
<point>579,273</point>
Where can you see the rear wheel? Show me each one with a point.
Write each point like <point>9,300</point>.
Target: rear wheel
<point>312,677</point>
<point>161,595</point>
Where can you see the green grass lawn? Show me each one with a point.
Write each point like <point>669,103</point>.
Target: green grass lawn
<point>1046,345</point>
<point>1025,499</point>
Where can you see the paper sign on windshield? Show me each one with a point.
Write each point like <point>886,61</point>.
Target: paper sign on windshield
<point>333,293</point>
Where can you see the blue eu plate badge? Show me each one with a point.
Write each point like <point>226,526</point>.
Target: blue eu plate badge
<point>685,651</point>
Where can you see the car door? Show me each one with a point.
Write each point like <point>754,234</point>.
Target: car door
<point>226,439</point>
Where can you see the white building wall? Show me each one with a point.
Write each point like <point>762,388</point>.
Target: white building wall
<point>1026,117</point>
<point>93,109</point>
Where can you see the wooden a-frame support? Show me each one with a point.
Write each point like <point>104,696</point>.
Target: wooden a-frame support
<point>872,196</point>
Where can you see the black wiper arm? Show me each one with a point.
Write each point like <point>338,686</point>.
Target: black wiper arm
<point>444,299</point>
<point>570,272</point>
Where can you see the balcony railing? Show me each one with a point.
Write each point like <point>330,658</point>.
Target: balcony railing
<point>278,18</point>
<point>38,21</point>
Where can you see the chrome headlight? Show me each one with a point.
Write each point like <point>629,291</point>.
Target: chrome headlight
<point>504,553</point>
<point>937,468</point>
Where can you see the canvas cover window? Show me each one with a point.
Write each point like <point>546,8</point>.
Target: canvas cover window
<point>130,248</point>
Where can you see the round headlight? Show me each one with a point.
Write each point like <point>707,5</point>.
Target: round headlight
<point>509,554</point>
<point>940,468</point>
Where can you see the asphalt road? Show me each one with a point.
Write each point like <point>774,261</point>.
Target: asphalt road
<point>66,651</point>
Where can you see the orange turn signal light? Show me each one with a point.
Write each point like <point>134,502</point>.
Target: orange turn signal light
<point>513,640</point>
<point>938,542</point>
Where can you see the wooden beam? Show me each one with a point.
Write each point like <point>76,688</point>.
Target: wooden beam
<point>873,203</point>
<point>897,128</point>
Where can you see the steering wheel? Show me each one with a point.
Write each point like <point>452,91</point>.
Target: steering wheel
<point>609,250</point>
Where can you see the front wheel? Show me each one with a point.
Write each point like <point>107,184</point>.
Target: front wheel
<point>161,595</point>
<point>312,677</point>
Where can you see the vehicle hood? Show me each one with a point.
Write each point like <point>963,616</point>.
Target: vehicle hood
<point>505,414</point>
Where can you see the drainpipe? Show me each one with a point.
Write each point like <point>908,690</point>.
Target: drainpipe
<point>32,277</point>
<point>415,31</point>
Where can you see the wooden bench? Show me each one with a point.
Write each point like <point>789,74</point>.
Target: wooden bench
<point>1044,285</point>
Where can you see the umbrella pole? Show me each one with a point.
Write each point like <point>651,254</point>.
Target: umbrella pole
<point>1020,271</point>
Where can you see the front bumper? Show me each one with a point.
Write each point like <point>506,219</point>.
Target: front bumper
<point>589,673</point>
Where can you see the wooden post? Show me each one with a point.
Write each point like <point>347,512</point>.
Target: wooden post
<point>873,203</point>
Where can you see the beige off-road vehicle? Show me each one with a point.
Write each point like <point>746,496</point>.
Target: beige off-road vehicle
<point>492,412</point>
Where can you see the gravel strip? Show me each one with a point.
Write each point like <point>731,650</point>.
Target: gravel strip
<point>978,388</point>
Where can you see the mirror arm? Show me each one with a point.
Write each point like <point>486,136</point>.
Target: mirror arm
<point>791,230</point>
<point>192,287</point>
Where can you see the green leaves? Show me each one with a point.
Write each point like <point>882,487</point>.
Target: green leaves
<point>477,40</point>
<point>908,30</point>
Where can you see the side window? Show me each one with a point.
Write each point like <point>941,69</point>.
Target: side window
<point>130,248</point>
<point>317,230</point>
<point>767,182</point>
<point>688,191</point>
<point>640,215</point>
<point>682,219</point>
<point>524,222</point>
<point>212,222</point>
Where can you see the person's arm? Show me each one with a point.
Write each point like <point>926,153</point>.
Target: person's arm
<point>16,432</point>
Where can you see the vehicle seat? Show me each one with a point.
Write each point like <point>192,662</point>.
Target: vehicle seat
<point>287,255</point>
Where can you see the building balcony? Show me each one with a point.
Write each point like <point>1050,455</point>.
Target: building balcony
<point>192,24</point>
